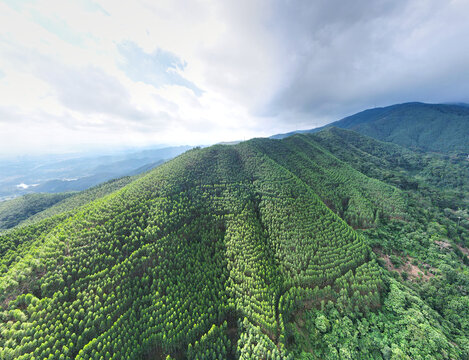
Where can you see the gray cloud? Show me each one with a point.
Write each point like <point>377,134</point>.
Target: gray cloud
<point>339,57</point>
<point>9,114</point>
<point>92,91</point>
<point>13,115</point>
<point>87,90</point>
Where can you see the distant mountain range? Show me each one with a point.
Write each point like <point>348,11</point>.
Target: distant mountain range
<point>429,127</point>
<point>53,174</point>
<point>440,128</point>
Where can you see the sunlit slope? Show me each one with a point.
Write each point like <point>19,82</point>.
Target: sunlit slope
<point>358,199</point>
<point>81,198</point>
<point>30,208</point>
<point>17,241</point>
<point>201,256</point>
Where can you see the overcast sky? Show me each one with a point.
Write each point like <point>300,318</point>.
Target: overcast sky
<point>86,74</point>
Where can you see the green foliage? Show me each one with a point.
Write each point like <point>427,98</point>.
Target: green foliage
<point>12,212</point>
<point>405,328</point>
<point>81,198</point>
<point>399,166</point>
<point>257,250</point>
<point>431,127</point>
<point>215,344</point>
<point>356,198</point>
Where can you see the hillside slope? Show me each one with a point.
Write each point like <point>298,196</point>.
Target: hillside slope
<point>393,163</point>
<point>217,254</point>
<point>14,211</point>
<point>30,208</point>
<point>429,127</point>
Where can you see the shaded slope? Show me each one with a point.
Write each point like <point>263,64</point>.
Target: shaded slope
<point>434,127</point>
<point>445,179</point>
<point>429,127</point>
<point>12,212</point>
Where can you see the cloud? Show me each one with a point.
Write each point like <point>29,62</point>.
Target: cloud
<point>58,27</point>
<point>18,4</point>
<point>158,68</point>
<point>10,115</point>
<point>91,90</point>
<point>343,57</point>
<point>85,90</point>
<point>179,71</point>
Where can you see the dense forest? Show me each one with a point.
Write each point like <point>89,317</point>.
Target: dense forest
<point>330,245</point>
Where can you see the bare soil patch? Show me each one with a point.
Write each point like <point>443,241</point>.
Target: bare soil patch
<point>414,272</point>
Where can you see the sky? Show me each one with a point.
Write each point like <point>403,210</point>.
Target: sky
<point>83,75</point>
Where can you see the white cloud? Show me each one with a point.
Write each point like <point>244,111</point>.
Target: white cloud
<point>262,67</point>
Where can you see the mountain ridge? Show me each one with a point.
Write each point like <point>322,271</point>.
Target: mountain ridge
<point>269,249</point>
<point>420,126</point>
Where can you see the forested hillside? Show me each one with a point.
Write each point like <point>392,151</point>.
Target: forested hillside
<point>30,208</point>
<point>395,164</point>
<point>429,127</point>
<point>324,246</point>
<point>14,211</point>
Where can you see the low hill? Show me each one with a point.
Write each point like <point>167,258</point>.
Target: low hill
<point>31,208</point>
<point>395,164</point>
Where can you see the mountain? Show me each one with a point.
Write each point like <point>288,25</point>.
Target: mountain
<point>429,127</point>
<point>266,249</point>
<point>62,173</point>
